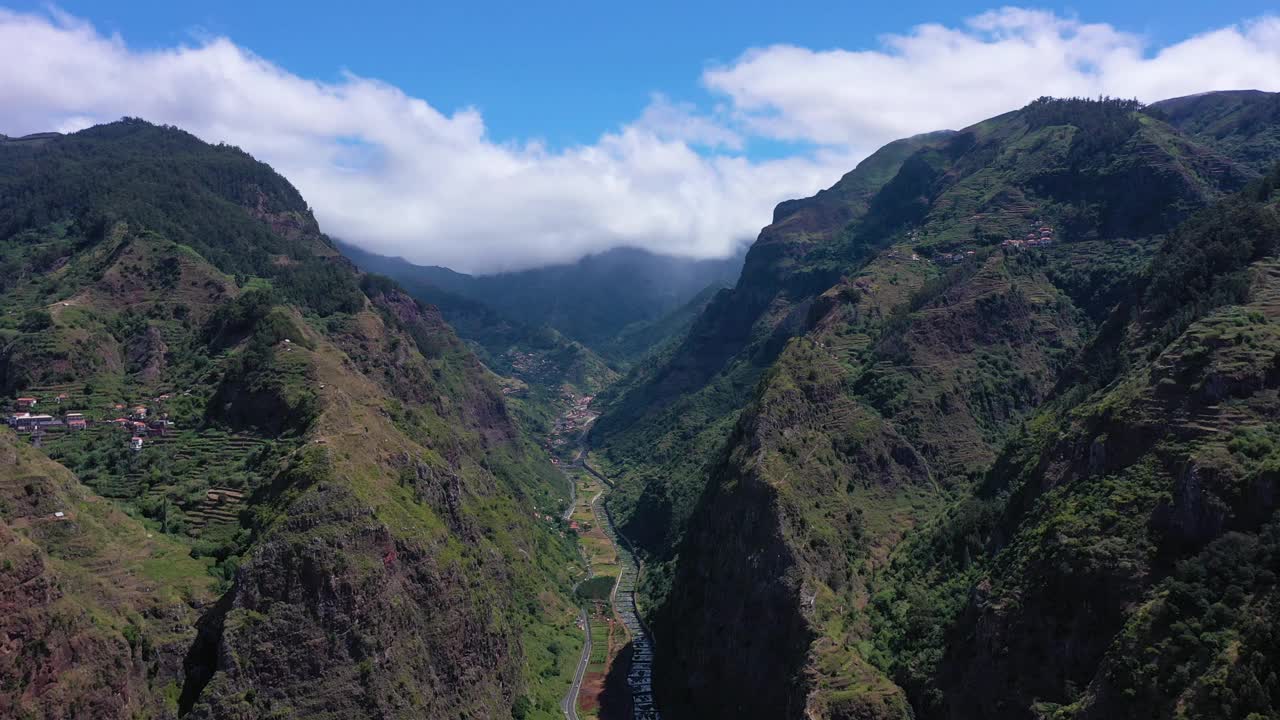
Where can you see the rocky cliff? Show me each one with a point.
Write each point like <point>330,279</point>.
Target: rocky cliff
<point>337,476</point>
<point>985,282</point>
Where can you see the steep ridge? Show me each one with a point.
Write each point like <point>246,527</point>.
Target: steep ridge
<point>387,560</point>
<point>974,278</point>
<point>1123,539</point>
<point>671,413</point>
<point>95,611</point>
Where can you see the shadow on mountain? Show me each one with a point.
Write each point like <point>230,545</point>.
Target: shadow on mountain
<point>615,701</point>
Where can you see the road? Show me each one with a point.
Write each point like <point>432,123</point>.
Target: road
<point>570,702</point>
<point>623,599</point>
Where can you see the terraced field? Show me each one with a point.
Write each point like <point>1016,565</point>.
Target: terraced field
<point>191,481</point>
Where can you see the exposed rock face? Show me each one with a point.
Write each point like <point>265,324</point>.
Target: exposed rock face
<point>740,654</point>
<point>335,595</point>
<point>44,647</point>
<point>84,632</point>
<point>911,372</point>
<point>146,355</point>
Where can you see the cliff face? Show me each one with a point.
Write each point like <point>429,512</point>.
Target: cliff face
<point>378,573</point>
<point>662,432</point>
<point>96,613</point>
<point>1008,260</point>
<point>1131,503</point>
<point>350,505</point>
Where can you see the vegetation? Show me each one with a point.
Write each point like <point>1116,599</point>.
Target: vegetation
<point>987,429</point>
<point>316,424</point>
<point>966,474</point>
<point>602,301</point>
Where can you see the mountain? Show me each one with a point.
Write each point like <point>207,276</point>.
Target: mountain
<point>597,301</point>
<point>299,494</point>
<point>986,429</point>
<point>981,431</point>
<point>671,415</point>
<point>536,355</point>
<point>1243,124</point>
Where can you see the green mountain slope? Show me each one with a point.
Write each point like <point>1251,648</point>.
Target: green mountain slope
<point>897,349</point>
<point>344,519</point>
<point>1242,125</point>
<point>1127,528</point>
<point>97,612</point>
<point>672,413</point>
<point>593,301</point>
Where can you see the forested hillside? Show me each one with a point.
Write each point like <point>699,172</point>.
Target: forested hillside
<point>986,429</point>
<point>275,487</point>
<point>618,303</point>
<point>982,431</point>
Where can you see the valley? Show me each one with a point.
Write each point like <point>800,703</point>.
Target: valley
<point>990,427</point>
<point>613,679</point>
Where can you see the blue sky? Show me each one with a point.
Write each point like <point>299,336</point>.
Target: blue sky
<point>567,71</point>
<point>499,136</point>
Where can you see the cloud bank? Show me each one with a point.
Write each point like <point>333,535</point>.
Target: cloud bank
<point>393,174</point>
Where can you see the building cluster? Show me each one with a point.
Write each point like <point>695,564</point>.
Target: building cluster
<point>1033,238</point>
<point>578,414</point>
<point>140,427</point>
<point>138,420</point>
<point>957,257</point>
<point>27,418</point>
<point>138,423</point>
<point>527,363</point>
<point>577,417</point>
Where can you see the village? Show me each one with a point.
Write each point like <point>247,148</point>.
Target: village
<point>30,417</point>
<point>192,481</point>
<point>573,421</point>
<point>1034,238</point>
<point>1038,235</point>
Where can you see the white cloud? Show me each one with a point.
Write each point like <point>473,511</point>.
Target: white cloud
<point>389,171</point>
<point>937,77</point>
<point>683,122</point>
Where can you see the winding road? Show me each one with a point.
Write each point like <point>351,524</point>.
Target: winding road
<point>569,704</point>
<point>623,599</point>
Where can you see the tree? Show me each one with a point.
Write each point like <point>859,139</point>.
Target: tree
<point>35,320</point>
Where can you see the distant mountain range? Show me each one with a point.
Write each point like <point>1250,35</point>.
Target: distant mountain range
<point>604,301</point>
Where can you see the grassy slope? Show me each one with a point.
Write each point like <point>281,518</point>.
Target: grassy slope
<point>98,610</point>
<point>915,393</point>
<point>416,508</point>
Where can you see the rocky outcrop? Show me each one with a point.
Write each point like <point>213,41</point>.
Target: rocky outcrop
<point>146,355</point>
<point>85,630</point>
<point>395,627</point>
